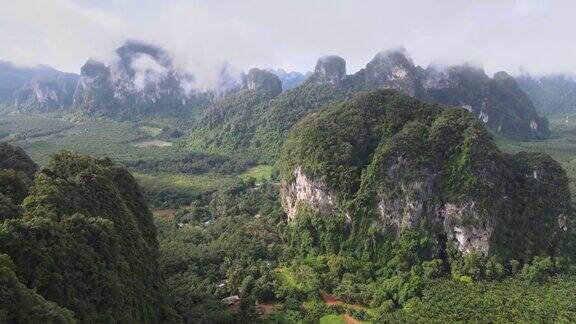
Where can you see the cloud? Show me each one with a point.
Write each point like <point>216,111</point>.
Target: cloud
<point>57,32</point>
<point>534,35</point>
<point>147,71</point>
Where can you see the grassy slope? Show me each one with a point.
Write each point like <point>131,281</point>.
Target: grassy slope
<point>259,172</point>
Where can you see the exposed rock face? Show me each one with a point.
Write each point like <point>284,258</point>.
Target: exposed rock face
<point>330,69</point>
<point>140,82</point>
<point>405,208</point>
<point>392,70</point>
<point>144,82</point>
<point>497,102</point>
<point>403,165</point>
<point>46,95</point>
<point>467,238</point>
<point>303,190</point>
<point>95,92</point>
<point>260,79</point>
<point>492,100</point>
<point>41,89</point>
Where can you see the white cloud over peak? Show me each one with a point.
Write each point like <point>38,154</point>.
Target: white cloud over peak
<point>203,34</point>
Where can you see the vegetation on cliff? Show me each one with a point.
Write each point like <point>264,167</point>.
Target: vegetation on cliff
<point>420,192</point>
<point>82,241</point>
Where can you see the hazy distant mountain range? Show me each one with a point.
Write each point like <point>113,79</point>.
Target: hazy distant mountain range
<point>552,95</point>
<point>39,89</point>
<point>143,82</point>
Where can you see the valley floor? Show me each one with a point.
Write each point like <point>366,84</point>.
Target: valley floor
<point>221,234</point>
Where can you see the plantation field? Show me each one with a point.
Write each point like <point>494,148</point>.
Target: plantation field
<point>41,136</point>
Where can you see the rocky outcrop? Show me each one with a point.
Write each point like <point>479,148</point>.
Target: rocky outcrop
<point>497,102</point>
<point>392,70</point>
<point>140,79</point>
<point>38,90</point>
<point>144,82</point>
<point>405,207</point>
<point>330,69</point>
<point>303,190</point>
<point>492,100</point>
<point>260,79</point>
<point>402,165</point>
<point>465,227</point>
<point>94,93</point>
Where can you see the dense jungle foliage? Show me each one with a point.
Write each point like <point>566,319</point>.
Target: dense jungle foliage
<point>230,236</point>
<point>81,246</point>
<point>388,149</point>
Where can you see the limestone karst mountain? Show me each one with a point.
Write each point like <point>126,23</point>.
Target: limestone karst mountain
<point>553,95</point>
<point>498,101</point>
<point>383,164</point>
<point>141,82</point>
<point>37,90</point>
<point>290,79</point>
<point>262,124</point>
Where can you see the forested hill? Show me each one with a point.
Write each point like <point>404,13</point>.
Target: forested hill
<point>77,243</point>
<point>38,90</point>
<point>553,95</point>
<point>248,123</point>
<point>385,166</point>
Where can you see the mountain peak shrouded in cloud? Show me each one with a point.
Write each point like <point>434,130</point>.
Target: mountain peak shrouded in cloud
<point>330,69</point>
<point>202,35</point>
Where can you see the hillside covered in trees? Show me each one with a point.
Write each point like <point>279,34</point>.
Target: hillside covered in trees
<point>77,243</point>
<point>552,95</point>
<point>257,124</point>
<point>388,209</point>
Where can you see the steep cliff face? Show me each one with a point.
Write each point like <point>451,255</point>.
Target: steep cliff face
<point>303,190</point>
<point>39,89</point>
<point>497,102</point>
<point>330,69</point>
<point>397,164</point>
<point>143,82</point>
<point>260,79</point>
<point>95,92</point>
<point>392,70</point>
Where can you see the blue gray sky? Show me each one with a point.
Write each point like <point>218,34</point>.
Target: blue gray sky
<point>511,35</point>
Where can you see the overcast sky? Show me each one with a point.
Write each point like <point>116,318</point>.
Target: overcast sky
<point>534,35</point>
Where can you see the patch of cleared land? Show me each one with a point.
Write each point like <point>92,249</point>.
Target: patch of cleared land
<point>260,173</point>
<point>152,142</point>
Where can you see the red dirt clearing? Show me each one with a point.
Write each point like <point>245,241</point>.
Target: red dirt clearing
<point>350,320</point>
<point>329,299</point>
